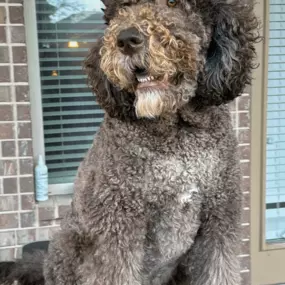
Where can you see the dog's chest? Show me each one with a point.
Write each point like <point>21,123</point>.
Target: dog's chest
<point>173,179</point>
<point>174,185</point>
<point>178,168</point>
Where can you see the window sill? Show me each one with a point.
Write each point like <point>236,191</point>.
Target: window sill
<point>60,189</point>
<point>56,200</point>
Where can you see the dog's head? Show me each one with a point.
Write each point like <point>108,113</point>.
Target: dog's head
<point>158,55</point>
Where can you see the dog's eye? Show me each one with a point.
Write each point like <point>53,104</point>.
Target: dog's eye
<point>126,4</point>
<point>171,3</point>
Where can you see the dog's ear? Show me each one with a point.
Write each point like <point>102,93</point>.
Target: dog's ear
<point>231,52</point>
<point>117,103</point>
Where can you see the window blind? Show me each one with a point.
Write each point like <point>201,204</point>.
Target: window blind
<point>275,147</point>
<point>66,31</point>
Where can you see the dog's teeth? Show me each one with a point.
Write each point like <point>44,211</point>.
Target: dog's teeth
<point>145,79</point>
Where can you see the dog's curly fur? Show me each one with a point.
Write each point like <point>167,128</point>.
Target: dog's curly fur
<point>157,198</point>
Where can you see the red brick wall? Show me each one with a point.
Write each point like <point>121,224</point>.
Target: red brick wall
<point>240,110</point>
<point>21,219</point>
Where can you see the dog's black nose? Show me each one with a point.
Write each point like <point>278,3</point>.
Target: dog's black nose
<point>130,41</point>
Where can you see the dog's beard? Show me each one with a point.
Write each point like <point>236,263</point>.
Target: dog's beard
<point>154,102</point>
<point>151,103</point>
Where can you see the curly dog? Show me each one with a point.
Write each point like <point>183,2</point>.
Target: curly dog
<point>157,198</point>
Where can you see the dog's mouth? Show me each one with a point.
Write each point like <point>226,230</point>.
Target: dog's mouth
<point>146,80</point>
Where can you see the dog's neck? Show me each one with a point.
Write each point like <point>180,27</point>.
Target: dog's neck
<point>200,118</point>
<point>169,125</point>
<point>162,126</point>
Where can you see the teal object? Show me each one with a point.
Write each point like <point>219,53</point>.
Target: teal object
<point>41,180</point>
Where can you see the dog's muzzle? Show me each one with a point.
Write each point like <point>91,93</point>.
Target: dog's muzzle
<point>130,41</point>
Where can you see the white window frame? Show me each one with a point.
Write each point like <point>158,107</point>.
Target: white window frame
<point>267,266</point>
<point>36,94</point>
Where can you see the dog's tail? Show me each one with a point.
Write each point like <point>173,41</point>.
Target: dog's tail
<point>26,271</point>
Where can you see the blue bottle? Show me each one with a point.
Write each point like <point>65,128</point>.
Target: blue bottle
<point>41,180</point>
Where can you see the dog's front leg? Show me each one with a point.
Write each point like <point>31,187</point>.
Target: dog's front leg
<point>213,258</point>
<point>116,254</point>
<point>63,259</point>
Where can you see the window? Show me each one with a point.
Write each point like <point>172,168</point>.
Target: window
<point>65,114</point>
<point>268,151</point>
<point>275,130</point>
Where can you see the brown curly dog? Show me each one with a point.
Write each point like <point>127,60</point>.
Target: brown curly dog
<point>157,199</point>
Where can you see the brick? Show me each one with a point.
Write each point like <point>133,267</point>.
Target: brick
<point>245,231</point>
<point>7,254</point>
<point>245,216</point>
<point>21,73</point>
<point>4,54</point>
<point>23,112</point>
<point>6,113</point>
<point>8,148</point>
<point>22,94</point>
<point>24,130</point>
<point>62,210</point>
<point>26,236</point>
<point>16,14</point>
<point>244,151</point>
<point>26,184</point>
<point>245,247</point>
<point>247,89</point>
<point>244,136</point>
<point>43,234</point>
<point>245,278</point>
<point>5,95</point>
<point>18,254</point>
<point>57,221</point>
<point>19,54</point>
<point>46,216</point>
<point>7,238</point>
<point>4,74</point>
<point>246,201</point>
<point>7,131</point>
<point>244,262</point>
<point>8,167</point>
<point>2,15</point>
<point>18,34</point>
<point>2,34</point>
<point>26,166</point>
<point>244,103</point>
<point>245,184</point>
<point>47,233</point>
<point>245,168</point>
<point>234,118</point>
<point>27,202</point>
<point>10,185</point>
<point>8,221</point>
<point>46,213</point>
<point>232,105</point>
<point>8,203</point>
<point>25,148</point>
<point>244,120</point>
<point>28,220</point>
